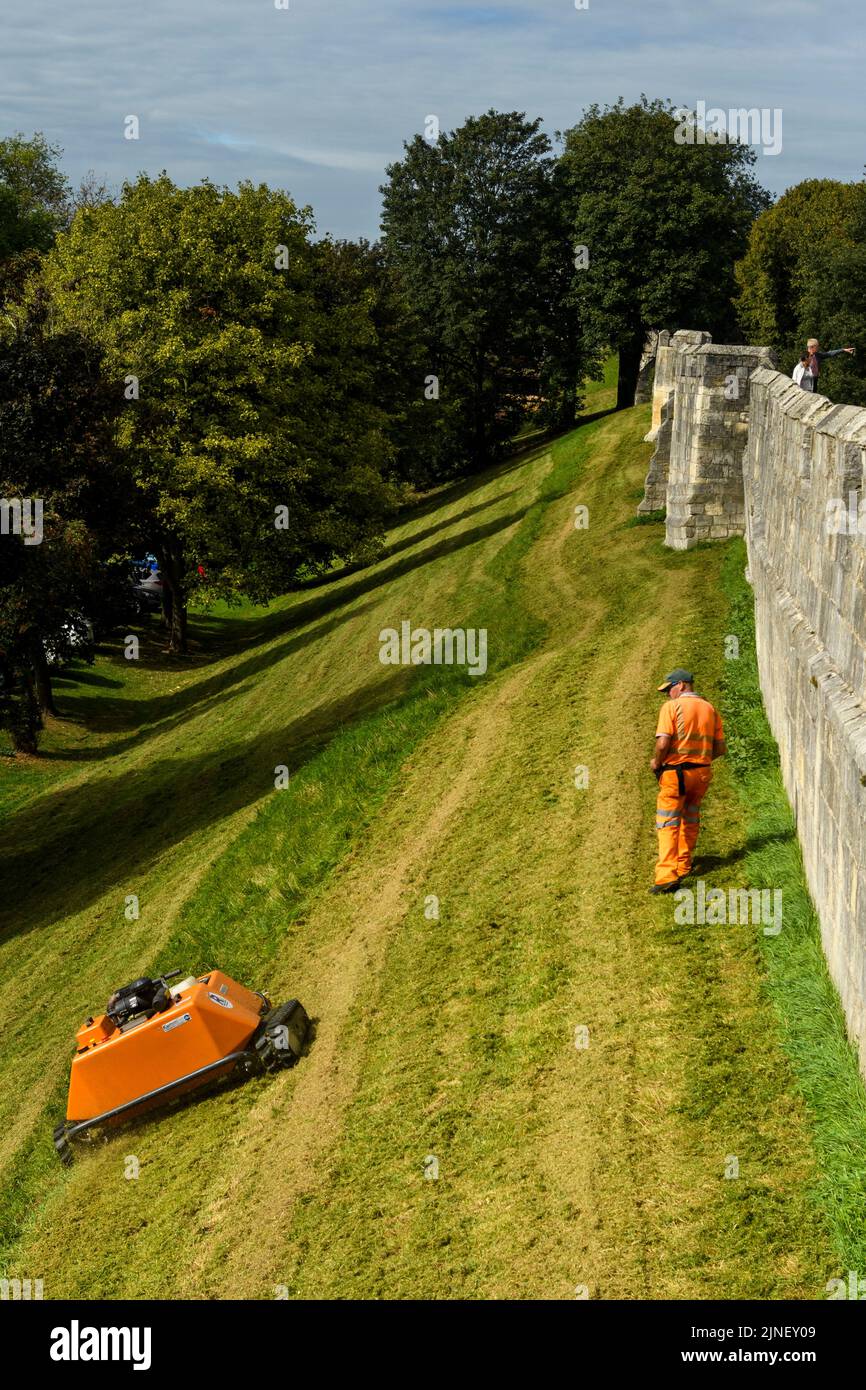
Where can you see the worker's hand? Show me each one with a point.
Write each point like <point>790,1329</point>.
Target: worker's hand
<point>654,767</point>
<point>847,349</point>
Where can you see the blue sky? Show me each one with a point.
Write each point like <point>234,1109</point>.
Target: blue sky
<point>319,97</point>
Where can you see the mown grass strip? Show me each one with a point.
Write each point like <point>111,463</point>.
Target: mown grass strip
<point>264,885</point>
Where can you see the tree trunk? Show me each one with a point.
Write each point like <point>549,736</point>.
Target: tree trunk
<point>479,423</point>
<point>26,721</point>
<point>630,353</point>
<point>42,679</point>
<point>567,411</point>
<point>177,635</point>
<point>174,601</point>
<point>166,607</point>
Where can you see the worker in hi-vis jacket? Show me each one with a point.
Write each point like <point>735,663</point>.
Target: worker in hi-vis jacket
<point>689,737</point>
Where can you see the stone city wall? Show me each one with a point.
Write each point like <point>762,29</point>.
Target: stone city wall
<point>745,450</point>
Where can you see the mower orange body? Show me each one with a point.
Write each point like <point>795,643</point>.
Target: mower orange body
<point>211,1018</point>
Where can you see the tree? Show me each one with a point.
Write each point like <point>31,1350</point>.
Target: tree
<point>91,192</point>
<point>788,243</point>
<point>248,422</point>
<point>831,304</point>
<point>358,272</point>
<point>471,227</point>
<point>57,461</point>
<point>662,224</point>
<point>33,199</point>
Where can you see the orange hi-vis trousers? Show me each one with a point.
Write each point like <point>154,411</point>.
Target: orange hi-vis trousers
<point>678,819</point>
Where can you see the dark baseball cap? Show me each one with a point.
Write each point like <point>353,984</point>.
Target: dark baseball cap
<point>675,677</point>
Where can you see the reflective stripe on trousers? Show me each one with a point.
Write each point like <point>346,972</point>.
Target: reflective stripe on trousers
<point>678,819</point>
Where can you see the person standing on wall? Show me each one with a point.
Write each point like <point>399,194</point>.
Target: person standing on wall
<point>689,737</point>
<point>809,380</point>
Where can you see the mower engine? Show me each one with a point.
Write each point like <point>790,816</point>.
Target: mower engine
<point>144,996</point>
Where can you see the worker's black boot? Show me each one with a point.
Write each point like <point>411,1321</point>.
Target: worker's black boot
<point>666,887</point>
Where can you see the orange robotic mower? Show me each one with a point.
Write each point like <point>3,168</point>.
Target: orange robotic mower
<point>157,1041</point>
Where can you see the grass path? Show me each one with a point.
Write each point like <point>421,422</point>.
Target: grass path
<point>444,1042</point>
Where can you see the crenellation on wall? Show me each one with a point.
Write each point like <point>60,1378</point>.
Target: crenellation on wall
<point>655,490</point>
<point>708,438</point>
<point>669,350</point>
<point>668,347</point>
<point>662,381</point>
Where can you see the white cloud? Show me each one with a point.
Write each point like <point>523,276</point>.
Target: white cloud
<point>320,97</point>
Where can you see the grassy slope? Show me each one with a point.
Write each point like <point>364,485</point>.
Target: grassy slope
<point>451,1038</point>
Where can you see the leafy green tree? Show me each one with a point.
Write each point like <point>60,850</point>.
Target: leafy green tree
<point>249,425</point>
<point>788,245</point>
<point>662,224</point>
<point>358,272</point>
<point>58,460</point>
<point>33,203</point>
<point>831,305</point>
<point>471,227</point>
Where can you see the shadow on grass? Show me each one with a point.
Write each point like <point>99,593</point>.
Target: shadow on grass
<point>63,851</point>
<point>84,675</point>
<point>406,542</point>
<point>592,416</point>
<point>464,487</point>
<point>708,863</point>
<point>295,623</point>
<point>171,712</point>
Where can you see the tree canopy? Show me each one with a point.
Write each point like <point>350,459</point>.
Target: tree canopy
<point>248,395</point>
<point>789,245</point>
<point>33,204</point>
<point>57,454</point>
<point>471,224</point>
<point>663,225</point>
<point>831,305</point>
